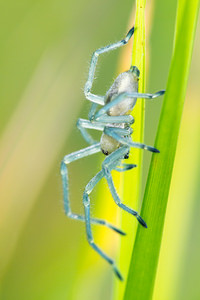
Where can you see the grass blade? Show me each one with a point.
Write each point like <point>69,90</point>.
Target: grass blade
<point>147,245</point>
<point>130,181</point>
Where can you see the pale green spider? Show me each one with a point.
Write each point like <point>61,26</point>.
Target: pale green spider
<point>114,121</point>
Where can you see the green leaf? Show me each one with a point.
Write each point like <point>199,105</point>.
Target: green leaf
<point>145,254</point>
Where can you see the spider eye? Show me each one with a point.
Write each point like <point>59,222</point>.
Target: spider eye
<point>126,155</point>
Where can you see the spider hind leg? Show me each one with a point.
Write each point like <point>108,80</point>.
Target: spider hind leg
<point>86,202</point>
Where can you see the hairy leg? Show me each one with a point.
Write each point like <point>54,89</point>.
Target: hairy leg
<point>64,173</point>
<point>88,86</point>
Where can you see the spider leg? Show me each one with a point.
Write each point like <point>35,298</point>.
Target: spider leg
<point>108,165</point>
<point>122,132</point>
<point>87,90</point>
<point>124,95</point>
<point>113,132</point>
<point>115,119</point>
<point>125,167</point>
<point>86,203</point>
<point>64,173</point>
<point>100,124</point>
<point>92,111</point>
<point>83,124</point>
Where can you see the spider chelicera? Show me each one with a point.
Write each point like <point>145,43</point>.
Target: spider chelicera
<point>114,120</point>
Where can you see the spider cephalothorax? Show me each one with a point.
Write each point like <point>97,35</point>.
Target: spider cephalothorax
<point>114,120</point>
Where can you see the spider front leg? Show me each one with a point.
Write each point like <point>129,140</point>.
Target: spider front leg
<point>108,165</point>
<point>88,86</point>
<point>64,173</point>
<point>86,202</point>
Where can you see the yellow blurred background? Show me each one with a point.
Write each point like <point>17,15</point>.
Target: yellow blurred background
<point>44,58</point>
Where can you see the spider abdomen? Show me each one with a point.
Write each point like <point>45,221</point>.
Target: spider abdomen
<point>126,82</point>
<point>108,144</point>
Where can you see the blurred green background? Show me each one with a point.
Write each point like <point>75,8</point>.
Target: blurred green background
<point>44,58</point>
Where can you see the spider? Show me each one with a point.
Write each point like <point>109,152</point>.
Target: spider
<point>114,120</point>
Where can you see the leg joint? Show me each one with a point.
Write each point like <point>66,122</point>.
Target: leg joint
<point>86,199</point>
<point>105,169</point>
<point>90,241</point>
<point>69,214</point>
<point>124,41</point>
<point>87,92</point>
<point>78,123</point>
<point>63,168</point>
